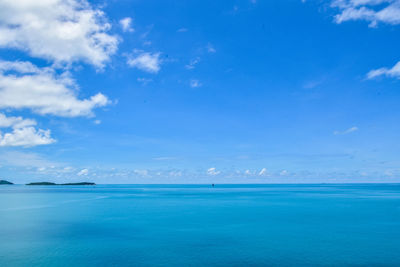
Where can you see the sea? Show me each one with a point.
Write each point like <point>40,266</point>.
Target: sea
<point>200,225</point>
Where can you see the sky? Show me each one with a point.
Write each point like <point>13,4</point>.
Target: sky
<point>242,91</point>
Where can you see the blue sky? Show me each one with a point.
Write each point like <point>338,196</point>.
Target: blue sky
<point>200,91</point>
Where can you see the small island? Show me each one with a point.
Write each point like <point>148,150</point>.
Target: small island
<point>42,183</point>
<point>50,183</point>
<point>4,182</point>
<point>83,183</point>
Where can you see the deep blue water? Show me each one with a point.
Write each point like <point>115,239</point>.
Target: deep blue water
<point>181,225</point>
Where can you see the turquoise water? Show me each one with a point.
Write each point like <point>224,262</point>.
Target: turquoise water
<point>180,225</point>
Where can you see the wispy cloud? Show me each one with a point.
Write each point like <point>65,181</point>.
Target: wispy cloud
<point>347,131</point>
<point>192,64</point>
<point>144,81</point>
<point>393,72</point>
<point>210,48</point>
<point>195,83</point>
<point>26,159</point>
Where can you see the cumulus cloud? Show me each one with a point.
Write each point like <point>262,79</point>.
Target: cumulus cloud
<point>126,24</point>
<point>62,32</point>
<point>26,137</point>
<point>149,62</point>
<point>25,86</point>
<point>347,131</point>
<point>23,132</point>
<point>57,30</point>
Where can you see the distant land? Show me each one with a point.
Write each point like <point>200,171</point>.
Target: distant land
<point>49,183</point>
<point>4,182</point>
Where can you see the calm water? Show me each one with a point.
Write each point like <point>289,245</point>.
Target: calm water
<point>236,225</point>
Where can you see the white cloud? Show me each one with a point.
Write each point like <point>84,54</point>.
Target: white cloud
<point>213,171</point>
<point>23,85</point>
<point>83,172</point>
<point>372,11</point>
<point>195,83</point>
<point>27,137</point>
<point>62,32</point>
<point>145,61</point>
<point>23,133</point>
<point>20,66</point>
<point>350,130</point>
<point>393,72</point>
<point>126,24</point>
<point>263,172</point>
<point>57,30</point>
<point>15,122</point>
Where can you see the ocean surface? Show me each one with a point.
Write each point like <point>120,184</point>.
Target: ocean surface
<point>192,225</point>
